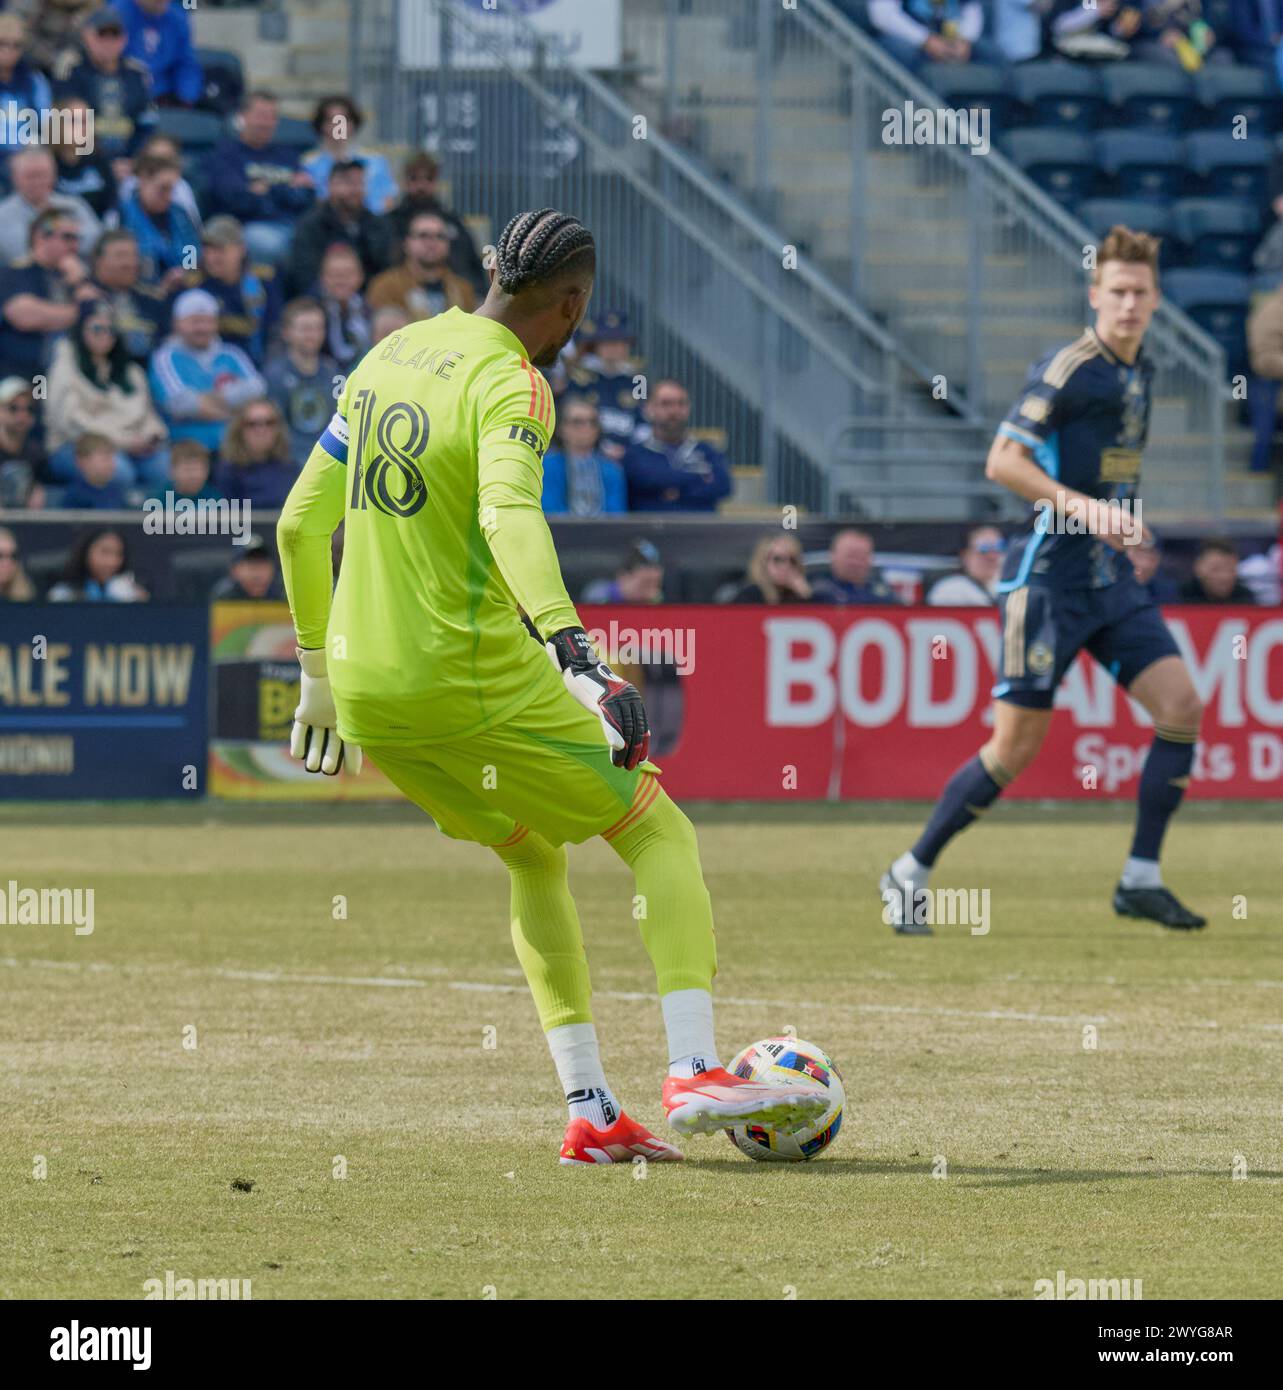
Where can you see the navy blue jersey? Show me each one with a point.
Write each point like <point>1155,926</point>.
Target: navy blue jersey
<point>1085,415</point>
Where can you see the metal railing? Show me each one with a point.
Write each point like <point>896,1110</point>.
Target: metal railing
<point>769,348</point>
<point>968,264</point>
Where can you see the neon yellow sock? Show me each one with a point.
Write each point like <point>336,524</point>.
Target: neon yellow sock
<point>546,931</point>
<point>672,906</point>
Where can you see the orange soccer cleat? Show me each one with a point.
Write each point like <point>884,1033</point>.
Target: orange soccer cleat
<point>624,1141</point>
<point>717,1099</point>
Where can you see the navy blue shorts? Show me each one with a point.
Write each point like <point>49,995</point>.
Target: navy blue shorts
<point>1044,629</point>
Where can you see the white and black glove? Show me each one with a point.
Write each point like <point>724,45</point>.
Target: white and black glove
<point>315,739</point>
<point>603,693</point>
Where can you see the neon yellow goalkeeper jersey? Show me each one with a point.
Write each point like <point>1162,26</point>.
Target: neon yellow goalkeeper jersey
<point>434,460</point>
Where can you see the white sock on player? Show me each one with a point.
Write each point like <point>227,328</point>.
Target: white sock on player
<point>688,1019</point>
<point>1141,873</point>
<point>578,1062</point>
<point>907,870</point>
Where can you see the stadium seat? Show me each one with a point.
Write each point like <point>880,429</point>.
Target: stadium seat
<point>1217,233</point>
<point>1148,96</point>
<point>1225,93</point>
<point>295,133</point>
<point>1217,301</point>
<point>224,79</point>
<point>1227,167</point>
<point>1061,163</point>
<point>195,131</point>
<point>1060,94</point>
<point>1142,164</point>
<point>975,85</point>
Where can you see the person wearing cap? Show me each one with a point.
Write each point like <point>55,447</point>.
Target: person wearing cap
<point>605,377</point>
<point>116,88</point>
<point>33,172</point>
<point>159,34</point>
<point>337,120</point>
<point>259,181</point>
<point>40,294</point>
<point>197,380</point>
<point>161,226</point>
<point>22,85</point>
<point>421,192</point>
<point>578,478</point>
<point>423,285</point>
<point>251,577</point>
<point>638,579</point>
<point>668,470</point>
<point>341,219</point>
<point>23,465</point>
<point>248,296</point>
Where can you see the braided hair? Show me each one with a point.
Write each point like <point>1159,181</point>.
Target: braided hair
<point>537,248</point>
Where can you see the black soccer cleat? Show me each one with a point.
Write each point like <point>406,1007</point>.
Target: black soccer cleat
<point>1157,905</point>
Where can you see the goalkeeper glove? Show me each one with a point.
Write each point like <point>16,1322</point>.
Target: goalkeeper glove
<point>315,739</point>
<point>603,693</point>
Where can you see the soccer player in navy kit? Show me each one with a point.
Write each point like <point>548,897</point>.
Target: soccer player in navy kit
<point>1072,447</point>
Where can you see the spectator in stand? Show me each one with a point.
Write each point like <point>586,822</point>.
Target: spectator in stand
<point>1254,33</point>
<point>639,579</point>
<point>1146,559</point>
<point>853,576</point>
<point>15,584</point>
<point>1104,31</point>
<point>976,584</point>
<point>423,285</point>
<point>1263,574</point>
<point>80,170</point>
<point>1265,356</point>
<point>95,388</point>
<point>247,295</point>
<point>94,486</point>
<point>52,27</point>
<point>578,479</point>
<point>422,194</point>
<point>251,577</point>
<point>775,573</point>
<point>669,471</point>
<point>22,458</point>
<point>1174,31</point>
<point>388,320</point>
<point>604,376</point>
<point>117,89</point>
<point>347,316</point>
<point>919,32</point>
<point>336,121</point>
<point>167,148</point>
<point>141,311</point>
<point>301,378</point>
<point>22,85</point>
<point>160,37</point>
<point>260,182</point>
<point>39,296</point>
<point>167,237</point>
<point>198,381</point>
<point>1018,28</point>
<point>188,478</point>
<point>1215,578</point>
<point>255,466</point>
<point>33,173</point>
<point>98,572</point>
<point>343,219</point>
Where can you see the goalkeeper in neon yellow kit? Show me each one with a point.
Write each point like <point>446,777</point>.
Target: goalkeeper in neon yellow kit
<point>434,463</point>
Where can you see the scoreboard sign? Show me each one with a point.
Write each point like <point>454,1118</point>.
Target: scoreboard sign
<point>102,700</point>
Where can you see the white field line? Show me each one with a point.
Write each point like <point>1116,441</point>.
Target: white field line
<point>274,977</point>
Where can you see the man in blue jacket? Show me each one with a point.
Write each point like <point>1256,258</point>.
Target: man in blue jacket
<point>259,182</point>
<point>669,471</point>
<point>160,37</point>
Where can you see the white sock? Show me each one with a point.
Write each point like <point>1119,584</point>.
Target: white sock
<point>578,1062</point>
<point>688,1019</point>
<point>908,870</point>
<point>1141,873</point>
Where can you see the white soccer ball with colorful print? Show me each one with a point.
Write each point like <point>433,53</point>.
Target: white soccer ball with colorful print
<point>788,1060</point>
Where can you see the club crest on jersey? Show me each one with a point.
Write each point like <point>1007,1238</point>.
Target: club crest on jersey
<point>1040,658</point>
<point>527,436</point>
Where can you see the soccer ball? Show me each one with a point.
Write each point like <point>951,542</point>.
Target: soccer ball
<point>781,1060</point>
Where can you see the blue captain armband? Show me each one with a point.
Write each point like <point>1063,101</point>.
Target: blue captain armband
<point>334,440</point>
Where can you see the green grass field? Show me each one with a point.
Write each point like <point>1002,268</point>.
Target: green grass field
<point>366,1038</point>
